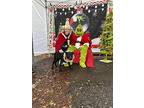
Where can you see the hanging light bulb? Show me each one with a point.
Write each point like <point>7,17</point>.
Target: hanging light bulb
<point>102,5</point>
<point>102,9</point>
<point>86,7</point>
<point>55,12</point>
<point>72,12</point>
<point>95,6</point>
<point>69,8</point>
<point>95,10</point>
<point>83,6</point>
<point>60,13</point>
<point>63,9</point>
<point>55,9</point>
<point>89,11</point>
<point>65,13</point>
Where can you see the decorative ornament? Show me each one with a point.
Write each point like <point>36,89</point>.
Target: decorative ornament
<point>79,18</point>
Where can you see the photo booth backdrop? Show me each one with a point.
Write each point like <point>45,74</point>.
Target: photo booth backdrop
<point>95,13</point>
<point>60,17</point>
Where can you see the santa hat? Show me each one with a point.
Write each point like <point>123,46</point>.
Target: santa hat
<point>67,25</point>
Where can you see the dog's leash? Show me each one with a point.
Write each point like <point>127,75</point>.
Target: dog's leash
<point>68,42</point>
<point>67,38</point>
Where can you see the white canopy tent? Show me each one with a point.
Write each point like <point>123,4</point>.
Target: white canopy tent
<point>40,22</point>
<point>39,27</point>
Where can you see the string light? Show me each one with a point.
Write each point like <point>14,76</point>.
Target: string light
<point>65,13</point>
<point>86,7</point>
<point>95,10</point>
<point>69,8</point>
<point>95,6</point>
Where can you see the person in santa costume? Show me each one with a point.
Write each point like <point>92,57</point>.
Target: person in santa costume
<point>65,37</point>
<point>82,45</point>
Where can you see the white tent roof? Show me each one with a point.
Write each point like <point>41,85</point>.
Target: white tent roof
<point>43,3</point>
<point>72,2</point>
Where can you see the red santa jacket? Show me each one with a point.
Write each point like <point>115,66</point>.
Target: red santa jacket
<point>86,39</point>
<point>89,58</point>
<point>62,38</point>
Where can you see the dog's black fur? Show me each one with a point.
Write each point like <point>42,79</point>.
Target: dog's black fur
<point>58,57</point>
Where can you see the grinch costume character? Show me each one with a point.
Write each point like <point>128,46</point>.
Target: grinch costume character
<point>82,44</point>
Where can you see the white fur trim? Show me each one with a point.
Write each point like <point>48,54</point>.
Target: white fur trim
<point>61,51</point>
<point>86,44</point>
<point>79,38</point>
<point>77,45</point>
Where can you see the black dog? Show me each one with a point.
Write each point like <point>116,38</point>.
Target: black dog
<point>61,57</point>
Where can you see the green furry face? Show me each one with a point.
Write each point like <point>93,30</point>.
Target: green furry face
<point>79,31</point>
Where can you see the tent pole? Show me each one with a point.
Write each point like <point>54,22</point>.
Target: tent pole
<point>46,7</point>
<point>32,51</point>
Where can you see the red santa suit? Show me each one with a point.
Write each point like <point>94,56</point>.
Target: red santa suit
<point>63,38</point>
<point>80,41</point>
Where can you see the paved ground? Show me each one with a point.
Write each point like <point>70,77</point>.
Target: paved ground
<point>75,88</point>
